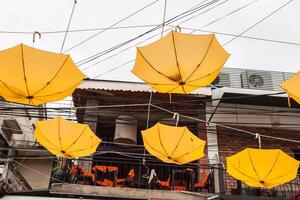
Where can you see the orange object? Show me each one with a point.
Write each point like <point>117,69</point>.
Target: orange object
<point>129,178</point>
<point>104,168</point>
<point>88,174</point>
<point>74,169</point>
<point>180,188</point>
<point>203,179</point>
<point>166,183</point>
<point>106,183</point>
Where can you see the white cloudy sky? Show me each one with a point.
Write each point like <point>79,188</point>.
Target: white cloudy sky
<point>53,15</point>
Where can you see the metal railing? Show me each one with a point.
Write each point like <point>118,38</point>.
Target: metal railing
<point>193,177</point>
<point>132,174</point>
<point>285,191</point>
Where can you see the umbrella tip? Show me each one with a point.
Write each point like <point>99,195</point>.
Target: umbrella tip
<point>62,151</point>
<point>262,182</point>
<point>181,83</point>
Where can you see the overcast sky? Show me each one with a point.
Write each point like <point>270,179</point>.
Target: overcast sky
<point>53,15</point>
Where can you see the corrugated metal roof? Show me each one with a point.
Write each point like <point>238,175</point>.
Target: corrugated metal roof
<point>129,86</point>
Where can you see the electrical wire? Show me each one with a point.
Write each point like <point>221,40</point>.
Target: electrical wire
<point>153,36</point>
<point>213,21</point>
<point>257,23</point>
<point>116,23</point>
<point>182,15</point>
<point>68,26</point>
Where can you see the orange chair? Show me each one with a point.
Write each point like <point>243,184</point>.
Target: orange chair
<point>86,173</point>
<point>180,187</point>
<point>165,184</point>
<point>204,179</point>
<point>128,179</point>
<point>106,183</point>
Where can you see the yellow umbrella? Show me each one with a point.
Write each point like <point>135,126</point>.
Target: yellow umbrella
<point>180,63</point>
<point>32,76</point>
<point>292,87</point>
<point>264,168</point>
<point>173,144</point>
<point>65,138</point>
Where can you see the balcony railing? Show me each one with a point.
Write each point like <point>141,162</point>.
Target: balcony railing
<point>285,191</point>
<point>193,177</point>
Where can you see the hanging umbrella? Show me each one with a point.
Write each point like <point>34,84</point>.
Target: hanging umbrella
<point>173,144</point>
<point>264,168</point>
<point>65,138</point>
<point>180,63</point>
<point>32,76</point>
<point>292,87</point>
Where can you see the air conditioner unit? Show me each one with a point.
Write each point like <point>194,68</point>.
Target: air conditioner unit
<point>222,80</point>
<point>10,127</point>
<point>257,79</point>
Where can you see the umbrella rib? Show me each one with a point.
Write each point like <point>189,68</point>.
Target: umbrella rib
<point>193,85</point>
<point>82,149</point>
<point>48,83</point>
<point>188,152</point>
<point>59,138</point>
<point>253,165</point>
<point>175,52</point>
<point>197,67</point>
<point>9,88</point>
<point>24,73</point>
<point>58,92</point>
<point>242,172</point>
<point>153,148</point>
<point>183,89</point>
<point>173,89</point>
<point>276,159</point>
<point>159,83</point>
<point>161,142</point>
<point>49,141</point>
<point>281,175</point>
<point>154,67</point>
<point>178,143</point>
<point>76,139</point>
<point>206,75</point>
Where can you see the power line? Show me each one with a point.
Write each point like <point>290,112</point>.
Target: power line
<point>257,23</point>
<point>80,30</point>
<point>132,60</point>
<point>116,23</point>
<point>213,21</point>
<point>182,15</point>
<point>68,26</point>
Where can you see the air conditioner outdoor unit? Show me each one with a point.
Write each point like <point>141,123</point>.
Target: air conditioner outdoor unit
<point>222,80</point>
<point>257,79</point>
<point>9,127</point>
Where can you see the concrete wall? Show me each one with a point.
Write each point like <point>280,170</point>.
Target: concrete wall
<point>257,116</point>
<point>24,138</point>
<point>36,173</point>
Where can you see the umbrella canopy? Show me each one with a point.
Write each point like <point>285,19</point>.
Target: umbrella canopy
<point>173,144</point>
<point>32,76</point>
<point>180,63</point>
<point>292,87</point>
<point>65,138</point>
<point>264,168</point>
